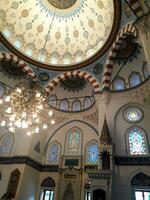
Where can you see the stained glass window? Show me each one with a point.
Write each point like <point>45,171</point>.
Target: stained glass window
<point>135,79</point>
<point>73,145</point>
<point>53,154</point>
<point>76,106</point>
<point>6,143</point>
<point>119,84</point>
<point>137,141</point>
<point>133,114</point>
<point>64,105</point>
<point>92,153</point>
<point>142,195</point>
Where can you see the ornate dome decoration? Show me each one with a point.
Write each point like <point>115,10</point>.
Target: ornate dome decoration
<point>73,83</point>
<point>59,35</point>
<point>133,114</point>
<point>62,4</point>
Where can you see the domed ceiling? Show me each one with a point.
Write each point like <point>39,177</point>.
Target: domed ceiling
<point>58,34</point>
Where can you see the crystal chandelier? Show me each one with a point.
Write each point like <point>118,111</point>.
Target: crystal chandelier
<point>26,107</point>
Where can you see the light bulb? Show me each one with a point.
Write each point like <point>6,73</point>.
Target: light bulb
<point>1,101</point>
<point>45,126</point>
<point>18,90</point>
<point>38,94</point>
<point>10,124</point>
<point>7,98</point>
<point>37,130</point>
<point>52,122</point>
<point>28,133</point>
<point>12,129</point>
<point>50,113</point>
<point>8,110</point>
<point>40,107</point>
<point>3,123</point>
<point>34,115</point>
<point>24,114</point>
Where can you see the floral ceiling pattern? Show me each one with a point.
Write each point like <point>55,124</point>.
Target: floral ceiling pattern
<point>56,36</point>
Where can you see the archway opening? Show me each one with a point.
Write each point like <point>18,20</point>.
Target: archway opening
<point>99,194</point>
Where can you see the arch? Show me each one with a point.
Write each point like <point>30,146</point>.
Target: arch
<point>80,121</point>
<point>119,83</point>
<point>11,57</point>
<point>136,7</point>
<point>48,182</point>
<point>73,142</point>
<point>134,79</point>
<point>140,179</point>
<point>128,29</point>
<point>86,75</point>
<point>99,194</point>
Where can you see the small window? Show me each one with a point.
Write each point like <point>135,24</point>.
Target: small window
<point>17,43</point>
<point>7,32</point>
<point>47,187</point>
<point>145,70</point>
<point>64,105</point>
<point>119,84</point>
<point>134,79</point>
<point>53,100</point>
<point>6,143</point>
<point>87,102</point>
<point>2,90</point>
<point>76,106</point>
<point>29,52</point>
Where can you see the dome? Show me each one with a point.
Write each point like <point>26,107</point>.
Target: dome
<point>58,34</point>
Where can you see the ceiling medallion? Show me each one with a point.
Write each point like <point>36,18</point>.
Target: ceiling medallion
<point>62,4</point>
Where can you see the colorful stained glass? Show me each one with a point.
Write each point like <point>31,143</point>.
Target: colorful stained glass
<point>135,79</point>
<point>6,143</point>
<point>133,114</point>
<point>137,143</point>
<point>93,153</point>
<point>53,154</point>
<point>119,84</point>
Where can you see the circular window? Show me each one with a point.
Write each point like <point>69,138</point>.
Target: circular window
<point>133,114</point>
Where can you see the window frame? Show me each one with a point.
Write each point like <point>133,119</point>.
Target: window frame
<point>13,138</point>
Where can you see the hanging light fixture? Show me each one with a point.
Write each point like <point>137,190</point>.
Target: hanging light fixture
<point>25,106</point>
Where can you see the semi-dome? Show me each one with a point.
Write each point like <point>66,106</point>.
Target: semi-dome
<point>59,34</point>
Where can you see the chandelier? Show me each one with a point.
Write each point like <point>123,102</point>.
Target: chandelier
<point>26,107</point>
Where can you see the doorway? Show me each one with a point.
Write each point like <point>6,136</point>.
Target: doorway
<point>99,194</point>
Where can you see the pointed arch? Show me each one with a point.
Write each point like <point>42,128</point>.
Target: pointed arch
<point>6,143</point>
<point>11,57</point>
<point>127,30</point>
<point>86,75</point>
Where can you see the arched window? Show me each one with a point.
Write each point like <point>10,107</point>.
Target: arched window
<point>64,105</point>
<point>134,79</point>
<point>87,102</point>
<point>76,105</point>
<point>6,143</point>
<point>140,184</point>
<point>53,153</point>
<point>73,141</point>
<point>92,153</point>
<point>145,70</point>
<point>137,141</point>
<point>119,84</point>
<point>48,189</point>
<point>53,100</point>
